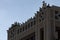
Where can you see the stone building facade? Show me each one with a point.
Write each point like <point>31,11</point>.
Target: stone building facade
<point>45,25</point>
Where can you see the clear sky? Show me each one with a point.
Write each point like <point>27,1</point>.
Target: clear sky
<point>18,10</point>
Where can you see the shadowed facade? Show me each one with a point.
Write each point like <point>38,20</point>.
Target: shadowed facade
<point>45,25</point>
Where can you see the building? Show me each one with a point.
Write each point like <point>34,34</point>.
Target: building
<point>45,25</point>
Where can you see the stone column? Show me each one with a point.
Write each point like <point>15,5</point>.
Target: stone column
<point>37,33</point>
<point>49,28</point>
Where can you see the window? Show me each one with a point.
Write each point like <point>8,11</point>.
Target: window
<point>29,25</point>
<point>42,13</point>
<point>26,27</point>
<point>59,15</point>
<point>39,20</point>
<point>41,34</point>
<point>58,31</point>
<point>12,34</point>
<point>56,12</point>
<point>42,18</point>
<point>20,29</point>
<point>33,38</point>
<point>27,39</point>
<point>56,17</point>
<point>23,28</point>
<point>34,22</point>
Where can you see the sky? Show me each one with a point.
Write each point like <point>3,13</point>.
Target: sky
<point>20,11</point>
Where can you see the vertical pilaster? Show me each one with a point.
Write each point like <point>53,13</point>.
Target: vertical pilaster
<point>49,28</point>
<point>37,33</point>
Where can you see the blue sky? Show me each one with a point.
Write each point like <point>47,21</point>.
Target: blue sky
<point>18,10</point>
